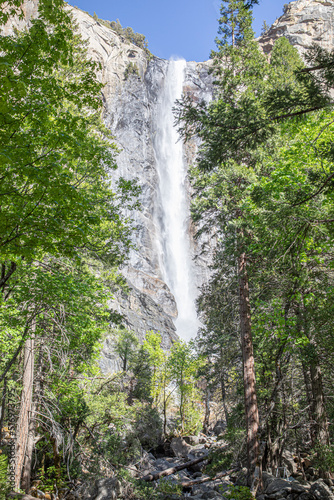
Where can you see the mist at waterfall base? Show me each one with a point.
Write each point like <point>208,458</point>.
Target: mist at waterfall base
<point>173,215</point>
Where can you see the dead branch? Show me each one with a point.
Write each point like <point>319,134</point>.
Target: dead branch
<point>206,479</point>
<point>157,475</point>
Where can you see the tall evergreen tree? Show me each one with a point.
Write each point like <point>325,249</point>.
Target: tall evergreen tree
<point>240,69</point>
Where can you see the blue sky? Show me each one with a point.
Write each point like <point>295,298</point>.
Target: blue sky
<point>183,28</point>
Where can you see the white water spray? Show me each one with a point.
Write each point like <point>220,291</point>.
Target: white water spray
<point>174,217</point>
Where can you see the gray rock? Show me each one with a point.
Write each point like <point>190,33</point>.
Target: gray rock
<point>212,495</point>
<point>130,111</point>
<point>106,489</point>
<point>196,475</point>
<point>288,459</point>
<point>162,464</point>
<point>304,22</point>
<point>306,496</point>
<point>180,447</point>
<point>321,491</point>
<point>220,427</point>
<point>192,440</point>
<point>279,486</point>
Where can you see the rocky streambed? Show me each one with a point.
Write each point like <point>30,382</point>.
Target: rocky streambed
<point>182,462</point>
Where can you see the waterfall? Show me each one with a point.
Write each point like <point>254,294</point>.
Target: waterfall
<point>173,218</point>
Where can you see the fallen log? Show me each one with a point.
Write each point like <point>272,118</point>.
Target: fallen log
<point>20,496</point>
<point>203,479</point>
<point>157,475</point>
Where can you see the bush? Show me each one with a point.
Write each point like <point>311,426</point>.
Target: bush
<point>219,460</point>
<point>131,69</point>
<point>239,493</point>
<point>323,458</point>
<point>4,486</point>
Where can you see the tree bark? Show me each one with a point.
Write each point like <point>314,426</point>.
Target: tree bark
<point>31,441</point>
<point>25,409</point>
<point>205,479</point>
<point>6,273</point>
<point>206,421</point>
<point>319,427</point>
<point>223,392</point>
<point>157,475</point>
<point>251,408</point>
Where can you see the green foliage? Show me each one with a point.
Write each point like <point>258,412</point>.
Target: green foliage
<point>250,139</point>
<point>239,493</point>
<point>126,346</point>
<point>141,369</point>
<point>167,489</point>
<point>235,24</point>
<point>131,36</point>
<point>131,69</point>
<point>323,458</point>
<point>55,151</point>
<point>218,461</point>
<point>184,364</point>
<point>4,486</point>
<point>141,490</point>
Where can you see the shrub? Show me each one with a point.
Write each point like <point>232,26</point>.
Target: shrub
<point>219,460</point>
<point>131,69</point>
<point>4,486</point>
<point>239,493</point>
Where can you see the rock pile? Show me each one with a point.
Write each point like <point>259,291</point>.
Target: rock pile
<point>196,484</point>
<point>281,489</point>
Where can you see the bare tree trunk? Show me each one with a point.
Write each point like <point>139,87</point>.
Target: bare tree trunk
<point>206,421</point>
<point>181,410</point>
<point>319,427</point>
<point>25,409</point>
<point>251,408</point>
<point>223,391</point>
<point>26,476</point>
<point>165,416</point>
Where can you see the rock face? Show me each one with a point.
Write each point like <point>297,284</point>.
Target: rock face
<point>304,22</point>
<point>133,90</point>
<point>131,108</point>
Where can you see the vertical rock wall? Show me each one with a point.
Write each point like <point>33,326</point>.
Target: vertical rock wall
<point>131,101</point>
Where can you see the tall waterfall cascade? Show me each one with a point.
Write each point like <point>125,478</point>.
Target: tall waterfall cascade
<point>173,213</point>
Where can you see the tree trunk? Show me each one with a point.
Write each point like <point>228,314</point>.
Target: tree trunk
<point>319,427</point>
<point>308,391</point>
<point>223,392</point>
<point>181,402</point>
<point>206,422</point>
<point>251,408</point>
<point>26,476</point>
<point>25,409</point>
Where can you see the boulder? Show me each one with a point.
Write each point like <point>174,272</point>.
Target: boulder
<point>192,440</point>
<point>321,491</point>
<point>279,485</point>
<point>106,489</point>
<point>219,428</point>
<point>290,460</point>
<point>162,464</point>
<point>306,496</point>
<point>180,448</point>
<point>212,495</point>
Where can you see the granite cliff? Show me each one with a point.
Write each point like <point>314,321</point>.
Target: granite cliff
<point>303,22</point>
<point>133,92</point>
<point>132,100</point>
